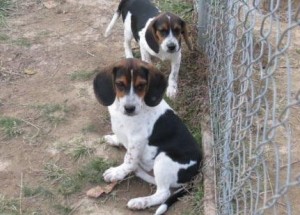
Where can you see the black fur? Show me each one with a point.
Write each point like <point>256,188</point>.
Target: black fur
<point>171,136</point>
<point>156,89</point>
<point>103,88</point>
<point>149,35</point>
<point>175,196</point>
<point>141,11</point>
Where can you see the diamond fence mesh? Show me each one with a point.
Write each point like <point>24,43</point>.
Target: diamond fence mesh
<point>253,49</point>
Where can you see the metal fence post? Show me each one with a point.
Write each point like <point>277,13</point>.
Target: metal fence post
<point>202,22</point>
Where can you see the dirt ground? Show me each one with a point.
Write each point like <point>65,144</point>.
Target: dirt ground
<point>42,49</point>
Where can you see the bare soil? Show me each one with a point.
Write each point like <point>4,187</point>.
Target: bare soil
<point>44,46</point>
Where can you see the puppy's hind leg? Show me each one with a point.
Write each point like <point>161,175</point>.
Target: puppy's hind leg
<point>165,177</point>
<point>158,197</point>
<point>141,173</point>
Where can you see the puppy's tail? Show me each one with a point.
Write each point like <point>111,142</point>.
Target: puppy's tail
<point>112,23</point>
<point>171,200</point>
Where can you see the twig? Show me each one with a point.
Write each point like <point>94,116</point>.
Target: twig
<point>289,164</point>
<point>12,73</point>
<point>29,123</point>
<point>90,54</point>
<point>21,190</point>
<point>75,208</point>
<point>292,67</point>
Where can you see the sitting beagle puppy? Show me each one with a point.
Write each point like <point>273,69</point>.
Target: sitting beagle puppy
<point>158,34</point>
<point>159,148</point>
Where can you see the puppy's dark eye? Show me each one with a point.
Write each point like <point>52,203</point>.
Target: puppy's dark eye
<point>177,31</point>
<point>140,87</point>
<point>163,32</point>
<point>120,86</point>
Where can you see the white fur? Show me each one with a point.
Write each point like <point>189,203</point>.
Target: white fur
<point>161,209</point>
<point>147,52</point>
<point>133,132</point>
<point>128,36</point>
<point>111,24</point>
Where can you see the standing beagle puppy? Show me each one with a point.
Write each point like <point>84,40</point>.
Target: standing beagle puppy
<point>160,149</point>
<point>158,34</point>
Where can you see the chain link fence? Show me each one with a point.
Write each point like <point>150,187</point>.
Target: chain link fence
<point>253,50</point>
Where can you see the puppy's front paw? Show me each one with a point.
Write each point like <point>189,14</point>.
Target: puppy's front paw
<point>112,140</point>
<point>137,203</point>
<point>172,91</point>
<point>114,174</point>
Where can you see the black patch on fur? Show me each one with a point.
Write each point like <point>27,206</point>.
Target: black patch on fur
<point>150,38</point>
<point>156,88</point>
<point>103,88</point>
<point>172,137</point>
<point>141,11</point>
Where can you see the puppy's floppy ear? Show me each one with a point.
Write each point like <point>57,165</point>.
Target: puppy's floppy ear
<point>184,33</point>
<point>103,86</point>
<point>157,85</point>
<point>151,37</point>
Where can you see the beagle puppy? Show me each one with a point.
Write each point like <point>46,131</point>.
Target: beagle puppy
<point>158,34</point>
<point>159,148</point>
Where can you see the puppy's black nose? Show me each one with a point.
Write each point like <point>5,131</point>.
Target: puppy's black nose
<point>129,109</point>
<point>171,47</point>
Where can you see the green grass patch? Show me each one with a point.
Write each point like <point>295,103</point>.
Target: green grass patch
<point>5,5</point>
<point>9,206</point>
<point>53,113</point>
<point>62,209</point>
<point>70,183</point>
<point>197,195</point>
<point>89,129</point>
<point>92,171</point>
<point>81,151</point>
<point>181,8</point>
<point>10,126</point>
<point>24,42</point>
<point>89,173</point>
<point>37,191</point>
<point>77,147</point>
<point>54,172</point>
<point>82,75</point>
<point>3,38</point>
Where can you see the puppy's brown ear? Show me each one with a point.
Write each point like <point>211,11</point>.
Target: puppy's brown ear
<point>157,85</point>
<point>103,86</point>
<point>151,37</point>
<point>184,33</point>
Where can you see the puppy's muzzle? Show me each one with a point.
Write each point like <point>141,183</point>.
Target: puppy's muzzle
<point>171,47</point>
<point>129,109</point>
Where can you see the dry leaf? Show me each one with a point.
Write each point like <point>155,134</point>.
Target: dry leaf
<point>29,72</point>
<point>96,192</point>
<point>50,4</point>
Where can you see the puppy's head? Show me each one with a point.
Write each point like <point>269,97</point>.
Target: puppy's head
<point>165,31</point>
<point>131,84</point>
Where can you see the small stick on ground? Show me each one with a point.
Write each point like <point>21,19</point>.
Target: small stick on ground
<point>21,190</point>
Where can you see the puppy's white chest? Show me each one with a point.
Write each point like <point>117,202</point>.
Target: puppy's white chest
<point>128,127</point>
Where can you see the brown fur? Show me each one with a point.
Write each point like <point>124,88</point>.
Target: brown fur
<point>176,24</point>
<point>115,81</point>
